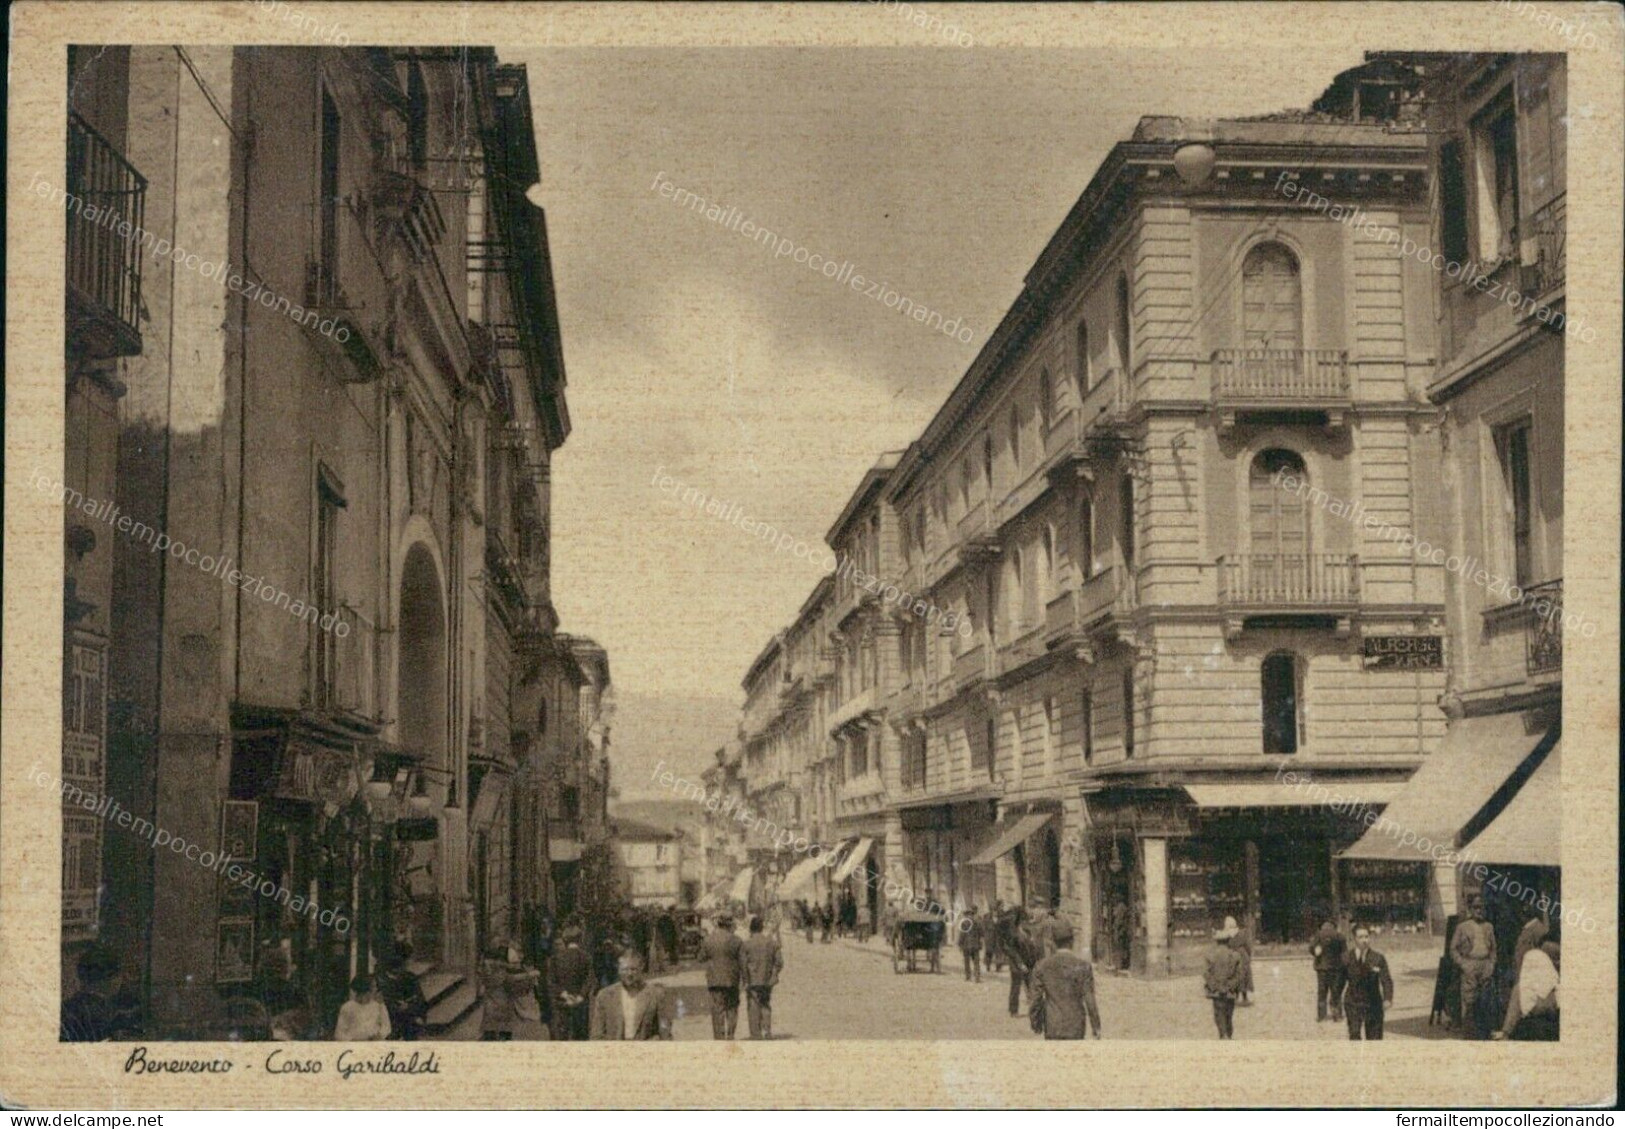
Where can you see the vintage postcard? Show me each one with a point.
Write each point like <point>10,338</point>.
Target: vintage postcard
<point>891,534</point>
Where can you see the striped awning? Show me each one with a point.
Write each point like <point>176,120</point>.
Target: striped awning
<point>1013,835</point>
<point>801,874</point>
<point>854,859</point>
<point>739,891</point>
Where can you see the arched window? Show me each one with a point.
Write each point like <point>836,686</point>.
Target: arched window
<point>1046,409</point>
<point>1125,523</point>
<point>1014,603</point>
<point>1279,677</point>
<point>1015,442</point>
<point>1278,539</point>
<point>987,462</point>
<point>1030,610</point>
<point>1083,360</point>
<point>1124,342</point>
<point>1272,299</point>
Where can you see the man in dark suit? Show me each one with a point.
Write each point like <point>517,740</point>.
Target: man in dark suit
<point>763,960</point>
<point>1327,947</point>
<point>1016,948</point>
<point>724,972</point>
<point>1368,987</point>
<point>631,1008</point>
<point>1222,980</point>
<point>570,986</point>
<point>1064,984</point>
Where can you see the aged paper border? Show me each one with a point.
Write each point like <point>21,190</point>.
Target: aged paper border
<point>37,1071</point>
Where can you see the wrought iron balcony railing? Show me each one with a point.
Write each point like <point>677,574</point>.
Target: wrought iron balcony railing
<point>106,201</point>
<point>1547,229</point>
<point>1290,580</point>
<point>1543,637</point>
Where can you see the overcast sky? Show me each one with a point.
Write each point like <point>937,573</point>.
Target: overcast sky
<point>938,170</point>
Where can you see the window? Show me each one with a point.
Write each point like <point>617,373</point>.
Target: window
<point>1279,519</point>
<point>1015,599</point>
<point>1083,360</point>
<point>1030,610</point>
<point>329,500</point>
<point>1125,520</point>
<point>987,462</point>
<point>417,118</point>
<point>1453,203</point>
<point>1015,443</point>
<point>328,209</point>
<point>914,760</point>
<point>1512,449</point>
<point>1052,721</point>
<point>1046,409</point>
<point>1123,342</point>
<point>1086,724</point>
<point>860,755</point>
<point>981,756</point>
<point>1495,141</point>
<point>965,477</point>
<point>1128,713</point>
<point>920,529</point>
<point>905,538</point>
<point>1279,689</point>
<point>1271,299</point>
<point>1046,566</point>
<point>1086,538</point>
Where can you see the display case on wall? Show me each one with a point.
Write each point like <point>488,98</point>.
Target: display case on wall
<point>1387,896</point>
<point>1206,884</point>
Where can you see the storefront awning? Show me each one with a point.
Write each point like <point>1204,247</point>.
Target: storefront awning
<point>853,860</point>
<point>739,891</point>
<point>802,873</point>
<point>564,850</point>
<point>1427,817</point>
<point>1272,795</point>
<point>1529,830</point>
<point>1011,837</point>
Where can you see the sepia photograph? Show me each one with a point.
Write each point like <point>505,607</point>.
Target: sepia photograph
<point>568,530</point>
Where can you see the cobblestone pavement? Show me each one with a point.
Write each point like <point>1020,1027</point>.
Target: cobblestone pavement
<point>844,990</point>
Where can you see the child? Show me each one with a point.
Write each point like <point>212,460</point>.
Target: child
<point>363,1016</point>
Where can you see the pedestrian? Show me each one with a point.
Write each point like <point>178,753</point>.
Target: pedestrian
<point>1040,927</point>
<point>763,958</point>
<point>809,920</point>
<point>1017,950</point>
<point>724,972</point>
<point>1474,952</point>
<point>570,988</point>
<point>970,944</point>
<point>99,1010</point>
<point>1532,1012</point>
<point>363,1017</point>
<point>1327,949</point>
<point>1369,987</point>
<point>1242,941</point>
<point>508,989</point>
<point>1063,989</point>
<point>1222,981</point>
<point>826,921</point>
<point>1122,919</point>
<point>985,925</point>
<point>402,994</point>
<point>631,1008</point>
<point>863,920</point>
<point>1533,934</point>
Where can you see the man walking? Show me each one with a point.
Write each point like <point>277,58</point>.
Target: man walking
<point>724,971</point>
<point>970,943</point>
<point>1369,987</point>
<point>1017,952</point>
<point>1063,985</point>
<point>1474,950</point>
<point>763,959</point>
<point>1222,980</point>
<point>570,985</point>
<point>631,1008</point>
<point>1327,948</point>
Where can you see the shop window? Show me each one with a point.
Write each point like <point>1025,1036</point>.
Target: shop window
<point>1512,449</point>
<point>1280,676</point>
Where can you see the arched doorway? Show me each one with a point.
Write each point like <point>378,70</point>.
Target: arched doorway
<point>420,707</point>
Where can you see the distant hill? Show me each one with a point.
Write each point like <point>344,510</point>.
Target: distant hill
<point>682,732</point>
<point>665,815</point>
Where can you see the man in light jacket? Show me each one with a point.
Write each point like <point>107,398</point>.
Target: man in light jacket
<point>631,1008</point>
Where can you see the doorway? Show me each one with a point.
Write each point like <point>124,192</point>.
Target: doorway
<point>1294,887</point>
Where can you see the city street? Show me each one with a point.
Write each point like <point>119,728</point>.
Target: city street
<point>844,990</point>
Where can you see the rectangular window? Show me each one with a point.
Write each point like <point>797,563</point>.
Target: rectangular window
<point>1453,202</point>
<point>1125,517</point>
<point>1495,139</point>
<point>1086,725</point>
<point>981,756</point>
<point>1052,720</point>
<point>1086,539</point>
<point>1128,713</point>
<point>1512,448</point>
<point>329,500</point>
<point>328,235</point>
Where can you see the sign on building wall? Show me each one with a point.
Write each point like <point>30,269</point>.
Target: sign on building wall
<point>84,741</point>
<point>1408,652</point>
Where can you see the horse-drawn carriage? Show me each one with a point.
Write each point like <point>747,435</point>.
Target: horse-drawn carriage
<point>913,934</point>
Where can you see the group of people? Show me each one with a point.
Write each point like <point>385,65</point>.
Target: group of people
<point>1037,946</point>
<point>844,917</point>
<point>1491,998</point>
<point>750,967</point>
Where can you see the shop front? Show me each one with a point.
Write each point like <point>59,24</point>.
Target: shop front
<point>1169,864</point>
<point>942,840</point>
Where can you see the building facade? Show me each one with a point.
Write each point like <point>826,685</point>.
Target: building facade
<point>1154,553</point>
<point>346,412</point>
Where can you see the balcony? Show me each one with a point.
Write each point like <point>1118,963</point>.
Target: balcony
<point>1289,585</point>
<point>1280,380</point>
<point>1548,231</point>
<point>1539,614</point>
<point>1105,405</point>
<point>105,196</point>
<point>969,668</point>
<point>1108,592</point>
